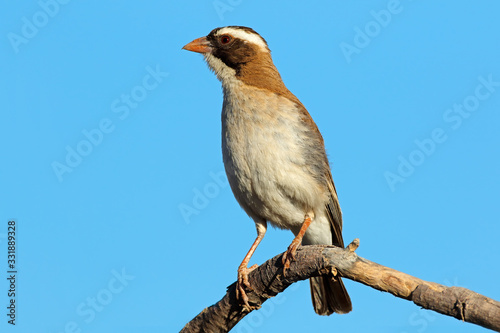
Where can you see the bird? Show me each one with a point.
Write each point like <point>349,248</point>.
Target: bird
<point>274,157</point>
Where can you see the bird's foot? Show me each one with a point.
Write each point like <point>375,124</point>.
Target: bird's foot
<point>289,255</point>
<point>243,282</point>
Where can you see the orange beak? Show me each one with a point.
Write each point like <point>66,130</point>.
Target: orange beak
<point>200,45</point>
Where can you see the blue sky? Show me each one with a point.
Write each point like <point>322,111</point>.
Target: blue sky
<point>112,166</point>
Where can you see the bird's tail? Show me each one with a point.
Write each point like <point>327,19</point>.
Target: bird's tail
<point>329,295</point>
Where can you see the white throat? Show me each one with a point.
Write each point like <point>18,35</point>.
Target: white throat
<point>225,74</point>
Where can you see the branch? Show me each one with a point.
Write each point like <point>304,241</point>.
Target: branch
<point>267,281</point>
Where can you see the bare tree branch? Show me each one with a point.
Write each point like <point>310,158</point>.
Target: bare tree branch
<point>267,281</point>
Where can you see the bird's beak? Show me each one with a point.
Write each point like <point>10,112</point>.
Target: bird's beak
<point>200,45</point>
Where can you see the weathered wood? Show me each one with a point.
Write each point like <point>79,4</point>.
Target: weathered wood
<point>460,303</point>
<point>267,281</point>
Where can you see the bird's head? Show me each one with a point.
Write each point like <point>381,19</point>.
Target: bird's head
<point>236,52</point>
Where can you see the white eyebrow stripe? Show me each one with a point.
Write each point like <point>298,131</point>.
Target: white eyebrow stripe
<point>246,36</point>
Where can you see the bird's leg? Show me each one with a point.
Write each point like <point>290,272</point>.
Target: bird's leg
<point>244,270</point>
<point>289,255</point>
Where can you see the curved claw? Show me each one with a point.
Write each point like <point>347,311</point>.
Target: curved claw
<point>242,283</point>
<point>289,256</point>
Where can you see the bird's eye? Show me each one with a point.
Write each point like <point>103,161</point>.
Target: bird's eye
<point>225,39</point>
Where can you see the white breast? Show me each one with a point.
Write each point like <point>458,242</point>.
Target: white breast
<point>264,158</point>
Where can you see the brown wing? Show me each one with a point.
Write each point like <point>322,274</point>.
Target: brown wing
<point>318,162</point>
<point>334,213</point>
<point>328,293</point>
